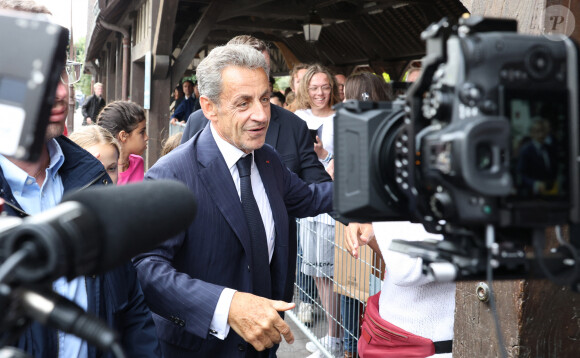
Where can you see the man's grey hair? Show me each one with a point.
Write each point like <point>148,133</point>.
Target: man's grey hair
<point>209,71</point>
<point>24,5</point>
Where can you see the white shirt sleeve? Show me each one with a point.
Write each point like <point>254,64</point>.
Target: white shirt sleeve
<point>219,326</point>
<point>402,269</point>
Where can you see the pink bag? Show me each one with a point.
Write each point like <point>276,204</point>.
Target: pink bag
<point>380,338</point>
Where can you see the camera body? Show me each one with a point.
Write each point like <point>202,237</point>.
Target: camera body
<point>487,136</point>
<point>465,146</point>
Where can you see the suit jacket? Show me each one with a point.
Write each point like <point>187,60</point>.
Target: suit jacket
<point>92,107</point>
<point>289,135</point>
<point>186,107</point>
<point>184,277</point>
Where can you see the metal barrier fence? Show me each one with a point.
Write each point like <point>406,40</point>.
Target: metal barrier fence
<point>331,287</point>
<point>176,128</point>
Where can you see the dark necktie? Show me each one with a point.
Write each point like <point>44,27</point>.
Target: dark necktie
<point>260,257</point>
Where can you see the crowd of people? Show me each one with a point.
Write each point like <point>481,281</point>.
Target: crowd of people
<point>221,287</point>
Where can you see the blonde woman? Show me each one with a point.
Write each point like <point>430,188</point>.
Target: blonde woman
<point>102,145</point>
<point>316,95</point>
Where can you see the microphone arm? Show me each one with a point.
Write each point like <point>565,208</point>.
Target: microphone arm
<point>53,310</point>
<point>57,312</point>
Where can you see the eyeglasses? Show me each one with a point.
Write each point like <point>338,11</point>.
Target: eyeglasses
<point>71,72</point>
<point>325,88</point>
<point>415,64</point>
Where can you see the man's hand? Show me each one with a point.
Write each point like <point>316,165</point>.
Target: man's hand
<point>257,321</point>
<point>173,120</point>
<point>358,235</point>
<point>319,149</point>
<point>89,120</point>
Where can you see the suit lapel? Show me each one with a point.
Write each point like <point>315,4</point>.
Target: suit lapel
<point>276,201</point>
<point>279,263</point>
<point>217,179</point>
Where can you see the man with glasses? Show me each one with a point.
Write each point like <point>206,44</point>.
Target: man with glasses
<point>93,105</point>
<point>28,188</point>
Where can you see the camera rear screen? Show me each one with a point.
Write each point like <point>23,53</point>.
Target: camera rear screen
<point>539,145</point>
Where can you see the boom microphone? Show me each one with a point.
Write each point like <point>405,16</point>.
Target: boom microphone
<point>97,229</point>
<point>55,311</point>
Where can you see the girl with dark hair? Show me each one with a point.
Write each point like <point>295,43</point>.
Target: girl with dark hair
<point>126,122</point>
<point>366,86</point>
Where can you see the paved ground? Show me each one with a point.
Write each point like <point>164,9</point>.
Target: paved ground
<point>298,348</point>
<point>78,120</point>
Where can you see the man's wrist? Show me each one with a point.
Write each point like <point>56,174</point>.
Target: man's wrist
<point>328,158</point>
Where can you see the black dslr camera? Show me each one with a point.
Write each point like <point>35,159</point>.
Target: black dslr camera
<point>483,149</point>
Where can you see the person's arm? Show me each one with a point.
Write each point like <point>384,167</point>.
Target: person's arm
<point>179,112</point>
<point>85,107</point>
<point>102,105</point>
<point>175,295</point>
<point>319,149</point>
<point>311,169</point>
<point>402,269</point>
<point>193,302</point>
<point>138,334</point>
<point>357,235</point>
<point>300,198</point>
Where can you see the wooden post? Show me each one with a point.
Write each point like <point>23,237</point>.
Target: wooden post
<point>537,318</point>
<point>162,23</point>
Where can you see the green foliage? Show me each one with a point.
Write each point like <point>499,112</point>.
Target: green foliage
<point>192,78</point>
<point>84,85</point>
<point>281,83</point>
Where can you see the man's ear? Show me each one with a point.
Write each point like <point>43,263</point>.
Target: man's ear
<point>208,107</point>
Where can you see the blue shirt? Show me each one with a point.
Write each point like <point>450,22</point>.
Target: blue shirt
<point>33,200</point>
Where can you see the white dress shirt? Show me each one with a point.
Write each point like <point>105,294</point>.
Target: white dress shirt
<point>219,326</point>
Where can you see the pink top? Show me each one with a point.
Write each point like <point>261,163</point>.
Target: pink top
<point>135,172</point>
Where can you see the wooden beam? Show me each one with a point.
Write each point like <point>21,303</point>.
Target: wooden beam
<point>287,54</point>
<point>527,12</point>
<point>197,38</point>
<point>249,24</point>
<point>299,11</point>
<point>287,11</point>
<point>163,37</point>
<point>368,40</point>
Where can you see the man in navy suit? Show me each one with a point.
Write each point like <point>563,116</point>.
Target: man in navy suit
<point>289,135</point>
<point>200,284</point>
<point>189,105</point>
